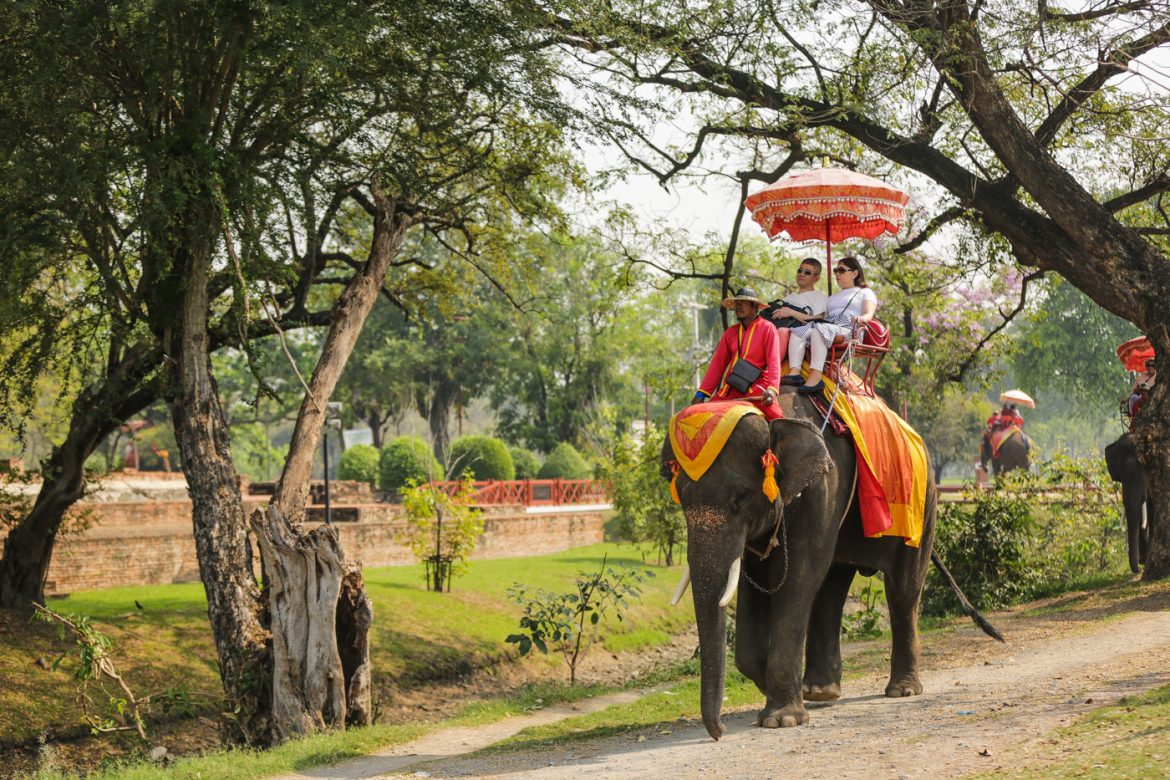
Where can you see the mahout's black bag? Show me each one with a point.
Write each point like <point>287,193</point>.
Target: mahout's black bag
<point>742,375</point>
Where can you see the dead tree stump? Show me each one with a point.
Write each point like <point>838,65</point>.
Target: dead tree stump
<point>312,690</point>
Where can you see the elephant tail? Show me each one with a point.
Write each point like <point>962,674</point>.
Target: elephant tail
<point>980,621</point>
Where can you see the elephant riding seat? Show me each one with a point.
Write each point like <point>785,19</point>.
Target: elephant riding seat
<point>796,547</point>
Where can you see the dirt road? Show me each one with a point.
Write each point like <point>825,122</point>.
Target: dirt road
<point>985,706</point>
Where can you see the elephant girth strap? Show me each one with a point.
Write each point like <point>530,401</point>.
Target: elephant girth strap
<point>699,433</point>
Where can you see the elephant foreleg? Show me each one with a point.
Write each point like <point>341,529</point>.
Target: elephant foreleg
<point>752,614</point>
<point>822,664</point>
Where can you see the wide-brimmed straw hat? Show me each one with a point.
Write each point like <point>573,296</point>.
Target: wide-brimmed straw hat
<point>744,294</point>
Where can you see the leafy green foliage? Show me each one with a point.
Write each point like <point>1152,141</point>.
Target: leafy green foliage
<point>570,622</point>
<point>1033,534</point>
<point>646,511</point>
<point>360,462</point>
<point>985,545</point>
<point>1068,343</point>
<point>564,462</point>
<point>442,529</point>
<point>865,623</point>
<point>484,456</point>
<point>526,462</point>
<point>407,459</point>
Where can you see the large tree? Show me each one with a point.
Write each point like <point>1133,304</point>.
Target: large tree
<point>217,166</point>
<point>1032,122</point>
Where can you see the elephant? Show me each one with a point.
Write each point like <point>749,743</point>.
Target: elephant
<point>1124,467</point>
<point>798,554</point>
<point>1013,454</point>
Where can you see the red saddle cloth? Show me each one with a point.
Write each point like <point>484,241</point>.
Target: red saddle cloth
<point>1000,436</point>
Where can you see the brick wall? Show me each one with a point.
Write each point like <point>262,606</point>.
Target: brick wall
<point>150,542</point>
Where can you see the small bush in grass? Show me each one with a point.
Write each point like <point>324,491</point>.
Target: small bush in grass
<point>406,458</point>
<point>442,529</point>
<point>484,456</point>
<point>360,463</point>
<point>564,462</point>
<point>570,621</point>
<point>525,461</point>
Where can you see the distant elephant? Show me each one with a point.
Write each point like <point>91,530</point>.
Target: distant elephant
<point>1124,467</point>
<point>796,590</point>
<point>1013,454</point>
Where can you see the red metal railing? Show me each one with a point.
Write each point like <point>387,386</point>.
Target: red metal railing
<point>534,492</point>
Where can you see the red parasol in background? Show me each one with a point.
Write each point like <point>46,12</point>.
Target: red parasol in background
<point>1135,352</point>
<point>830,205</point>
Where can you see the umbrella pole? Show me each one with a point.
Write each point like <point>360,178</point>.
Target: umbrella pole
<point>828,258</point>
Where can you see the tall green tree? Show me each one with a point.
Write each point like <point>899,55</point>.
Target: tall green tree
<point>1070,344</point>
<point>1004,119</point>
<point>214,166</point>
<point>569,347</point>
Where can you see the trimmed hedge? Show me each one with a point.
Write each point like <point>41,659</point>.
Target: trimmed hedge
<point>360,462</point>
<point>564,462</point>
<point>526,463</point>
<point>405,458</point>
<point>484,456</point>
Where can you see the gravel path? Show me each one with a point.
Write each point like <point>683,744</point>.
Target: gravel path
<point>985,705</point>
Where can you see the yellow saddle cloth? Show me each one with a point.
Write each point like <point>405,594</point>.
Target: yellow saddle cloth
<point>698,433</point>
<point>891,466</point>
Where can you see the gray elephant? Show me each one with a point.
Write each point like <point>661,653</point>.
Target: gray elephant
<point>1124,467</point>
<point>797,556</point>
<point>1013,454</point>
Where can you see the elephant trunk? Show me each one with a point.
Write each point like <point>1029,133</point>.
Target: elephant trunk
<point>712,621</point>
<point>715,568</point>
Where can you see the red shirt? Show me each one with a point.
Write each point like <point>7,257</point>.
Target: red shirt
<point>761,348</point>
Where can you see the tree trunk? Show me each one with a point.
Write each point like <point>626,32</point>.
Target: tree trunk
<point>225,559</point>
<point>349,314</point>
<point>28,549</point>
<point>321,666</point>
<point>304,574</point>
<point>439,419</point>
<point>1151,437</point>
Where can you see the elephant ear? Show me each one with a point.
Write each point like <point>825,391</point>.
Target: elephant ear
<point>800,448</point>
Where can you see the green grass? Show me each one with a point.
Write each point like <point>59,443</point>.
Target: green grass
<point>1127,740</point>
<point>327,749</point>
<point>417,635</point>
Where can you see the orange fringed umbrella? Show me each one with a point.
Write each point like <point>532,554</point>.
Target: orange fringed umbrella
<point>830,205</point>
<point>1135,352</point>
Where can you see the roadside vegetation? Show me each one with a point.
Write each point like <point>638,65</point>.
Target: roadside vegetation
<point>159,635</point>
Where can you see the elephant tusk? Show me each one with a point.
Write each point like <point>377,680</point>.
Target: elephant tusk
<point>683,582</point>
<point>732,583</point>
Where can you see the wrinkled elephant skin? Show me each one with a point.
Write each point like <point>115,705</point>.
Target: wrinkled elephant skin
<point>807,577</point>
<point>1124,467</point>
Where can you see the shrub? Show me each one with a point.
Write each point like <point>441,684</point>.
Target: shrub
<point>646,511</point>
<point>570,622</point>
<point>483,456</point>
<point>526,463</point>
<point>442,530</point>
<point>359,462</point>
<point>985,544</point>
<point>564,462</point>
<point>404,459</point>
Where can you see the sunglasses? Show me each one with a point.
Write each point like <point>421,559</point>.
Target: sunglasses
<point>805,272</point>
<point>842,269</point>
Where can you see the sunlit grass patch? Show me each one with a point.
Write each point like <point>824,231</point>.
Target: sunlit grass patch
<point>1130,739</point>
